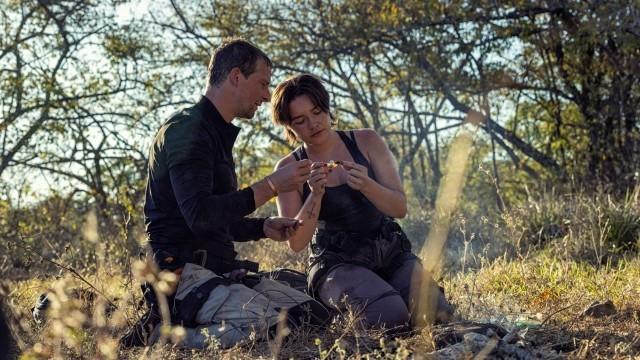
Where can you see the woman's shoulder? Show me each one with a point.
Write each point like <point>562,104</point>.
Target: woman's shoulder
<point>366,136</point>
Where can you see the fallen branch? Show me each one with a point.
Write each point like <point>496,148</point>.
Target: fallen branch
<point>73,271</point>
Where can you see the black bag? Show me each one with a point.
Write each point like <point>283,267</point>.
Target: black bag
<point>185,310</point>
<point>391,243</point>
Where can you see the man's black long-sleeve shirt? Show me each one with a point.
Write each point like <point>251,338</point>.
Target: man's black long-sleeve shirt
<point>192,201</point>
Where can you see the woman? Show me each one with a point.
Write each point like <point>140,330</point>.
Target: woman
<point>361,259</point>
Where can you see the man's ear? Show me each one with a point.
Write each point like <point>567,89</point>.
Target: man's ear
<point>234,76</point>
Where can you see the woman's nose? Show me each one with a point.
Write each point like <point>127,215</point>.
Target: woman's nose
<point>315,121</point>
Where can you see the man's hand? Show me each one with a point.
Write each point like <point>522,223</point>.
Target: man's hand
<point>291,176</point>
<point>280,228</point>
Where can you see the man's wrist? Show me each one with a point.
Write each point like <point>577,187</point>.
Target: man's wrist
<point>272,186</point>
<point>262,191</point>
<point>262,227</point>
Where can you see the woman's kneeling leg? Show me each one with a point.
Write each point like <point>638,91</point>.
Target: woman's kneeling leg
<point>359,289</point>
<point>425,299</point>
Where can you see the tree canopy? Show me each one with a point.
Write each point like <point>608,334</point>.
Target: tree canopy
<point>85,84</point>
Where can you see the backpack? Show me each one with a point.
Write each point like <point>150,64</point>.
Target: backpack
<point>232,313</point>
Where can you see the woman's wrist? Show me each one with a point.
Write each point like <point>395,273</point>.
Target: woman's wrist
<point>368,188</point>
<point>317,194</point>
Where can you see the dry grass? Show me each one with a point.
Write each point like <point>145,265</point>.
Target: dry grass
<point>535,266</point>
<point>548,295</point>
<point>543,293</point>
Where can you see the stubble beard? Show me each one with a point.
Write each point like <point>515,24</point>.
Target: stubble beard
<point>247,113</point>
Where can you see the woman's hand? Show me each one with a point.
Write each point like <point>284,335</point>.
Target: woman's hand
<point>358,178</point>
<point>318,178</point>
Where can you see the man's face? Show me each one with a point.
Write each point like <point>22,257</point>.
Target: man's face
<point>253,90</point>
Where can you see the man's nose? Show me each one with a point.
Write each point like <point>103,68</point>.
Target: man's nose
<point>266,96</point>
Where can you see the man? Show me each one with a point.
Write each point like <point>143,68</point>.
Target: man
<point>193,209</point>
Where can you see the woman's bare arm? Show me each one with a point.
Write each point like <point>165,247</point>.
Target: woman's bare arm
<point>386,192</point>
<point>290,205</point>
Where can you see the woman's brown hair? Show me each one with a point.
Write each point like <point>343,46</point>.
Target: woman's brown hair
<point>291,88</point>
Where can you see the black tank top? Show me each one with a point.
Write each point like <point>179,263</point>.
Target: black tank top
<point>343,208</point>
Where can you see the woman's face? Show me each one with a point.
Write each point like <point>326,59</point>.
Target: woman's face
<point>308,122</point>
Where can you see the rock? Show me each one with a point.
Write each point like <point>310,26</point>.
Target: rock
<point>509,351</point>
<point>453,352</point>
<point>498,345</point>
<point>474,342</point>
<point>597,309</point>
<point>40,308</point>
<point>452,333</point>
<point>86,296</point>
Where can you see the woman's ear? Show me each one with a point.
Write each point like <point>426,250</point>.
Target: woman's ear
<point>290,135</point>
